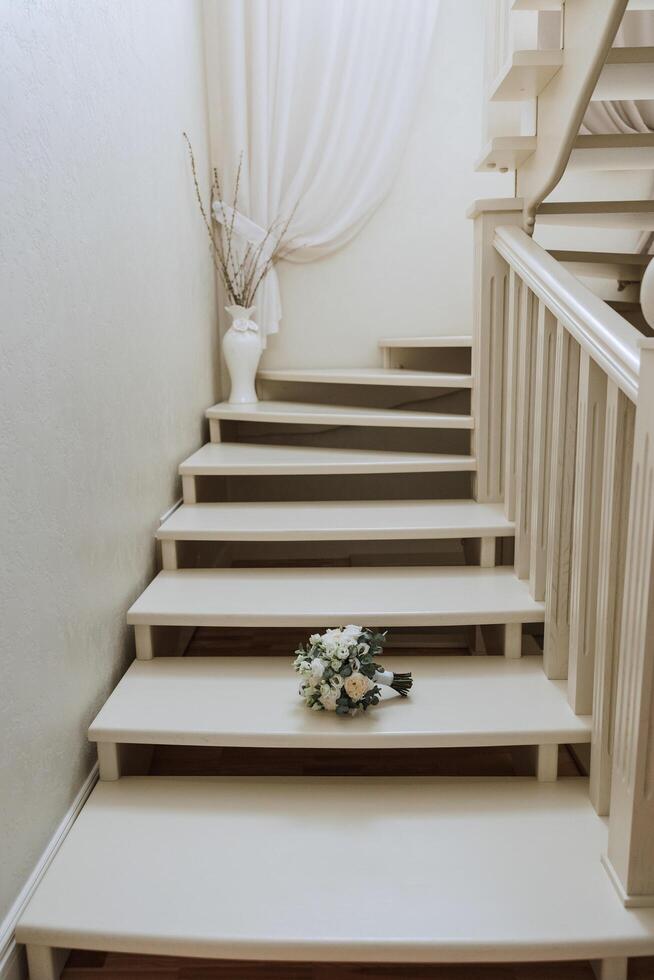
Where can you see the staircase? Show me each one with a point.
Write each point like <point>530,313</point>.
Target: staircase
<point>488,500</point>
<point>389,869</point>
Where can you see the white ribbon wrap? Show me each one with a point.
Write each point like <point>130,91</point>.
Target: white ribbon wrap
<point>384,677</point>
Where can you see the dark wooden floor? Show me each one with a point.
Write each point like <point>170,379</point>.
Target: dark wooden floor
<point>181,760</point>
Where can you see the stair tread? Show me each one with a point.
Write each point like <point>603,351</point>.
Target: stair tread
<point>232,458</point>
<point>370,376</point>
<point>637,215</point>
<point>506,153</point>
<point>388,596</point>
<point>355,869</point>
<point>316,414</point>
<point>253,701</point>
<point>527,75</point>
<point>335,519</point>
<point>640,54</point>
<point>609,140</point>
<point>454,340</point>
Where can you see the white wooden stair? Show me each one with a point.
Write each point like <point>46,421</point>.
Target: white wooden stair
<point>253,701</point>
<point>396,377</point>
<point>614,151</point>
<point>418,596</point>
<point>330,520</point>
<point>638,215</point>
<point>453,340</point>
<point>301,413</point>
<point>234,459</point>
<point>257,868</point>
<point>610,265</point>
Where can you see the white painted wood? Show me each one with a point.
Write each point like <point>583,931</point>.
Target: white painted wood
<point>505,153</point>
<point>109,756</point>
<point>45,962</point>
<point>616,477</point>
<point>631,842</point>
<point>369,376</point>
<point>513,641</point>
<point>335,520</point>
<point>611,155</point>
<point>612,968</point>
<point>637,215</point>
<point>214,430</point>
<point>189,490</point>
<point>527,330</point>
<point>627,74</point>
<point>384,596</point>
<point>503,836</point>
<point>491,288</point>
<point>526,76</point>
<point>613,343</point>
<point>559,534</point>
<point>585,533</point>
<point>511,388</point>
<point>456,701</point>
<point>250,459</point>
<point>144,642</point>
<point>541,477</point>
<point>603,265</point>
<point>300,413</point>
<point>169,549</point>
<point>452,340</point>
<point>547,763</point>
<point>487,552</point>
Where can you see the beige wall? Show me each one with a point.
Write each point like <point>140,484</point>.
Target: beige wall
<point>106,367</point>
<point>410,269</point>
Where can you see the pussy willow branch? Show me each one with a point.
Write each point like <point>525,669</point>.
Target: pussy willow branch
<point>241,272</point>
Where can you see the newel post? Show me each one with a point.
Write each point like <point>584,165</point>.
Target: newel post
<point>630,855</point>
<point>489,343</point>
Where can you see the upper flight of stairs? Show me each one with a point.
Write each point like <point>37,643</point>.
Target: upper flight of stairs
<point>337,869</point>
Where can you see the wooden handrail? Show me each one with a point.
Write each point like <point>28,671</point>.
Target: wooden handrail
<point>569,95</point>
<point>612,342</point>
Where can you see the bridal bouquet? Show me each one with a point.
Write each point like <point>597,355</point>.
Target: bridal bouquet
<point>339,672</point>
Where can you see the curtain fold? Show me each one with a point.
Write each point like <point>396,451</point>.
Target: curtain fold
<point>318,96</point>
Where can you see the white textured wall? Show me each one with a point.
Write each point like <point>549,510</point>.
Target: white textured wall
<point>409,271</point>
<point>106,366</point>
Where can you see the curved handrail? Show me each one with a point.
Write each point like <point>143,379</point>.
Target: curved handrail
<point>612,342</point>
<point>571,130</point>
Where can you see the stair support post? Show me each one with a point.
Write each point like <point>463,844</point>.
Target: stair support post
<point>547,763</point>
<point>559,519</point>
<point>630,855</point>
<point>189,490</point>
<point>45,962</point>
<point>169,554</point>
<point>513,641</point>
<point>612,968</point>
<point>491,294</point>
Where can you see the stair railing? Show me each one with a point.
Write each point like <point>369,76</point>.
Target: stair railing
<point>564,435</point>
<point>589,27</point>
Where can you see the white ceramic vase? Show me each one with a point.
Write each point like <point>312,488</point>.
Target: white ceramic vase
<point>242,352</point>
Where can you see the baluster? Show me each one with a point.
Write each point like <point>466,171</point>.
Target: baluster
<point>491,288</point>
<point>585,533</point>
<point>516,289</point>
<point>559,522</point>
<point>630,858</point>
<point>541,473</point>
<point>618,449</point>
<point>524,430</point>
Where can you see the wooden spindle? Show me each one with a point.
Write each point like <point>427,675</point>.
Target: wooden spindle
<point>516,289</point>
<point>616,478</point>
<point>559,533</point>
<point>585,533</point>
<point>527,324</point>
<point>542,452</point>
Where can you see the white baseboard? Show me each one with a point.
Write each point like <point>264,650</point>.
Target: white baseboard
<point>12,959</point>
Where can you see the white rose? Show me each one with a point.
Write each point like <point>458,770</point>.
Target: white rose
<point>328,700</point>
<point>317,670</point>
<point>356,685</point>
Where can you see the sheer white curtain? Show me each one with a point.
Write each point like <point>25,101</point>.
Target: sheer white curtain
<point>318,96</point>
